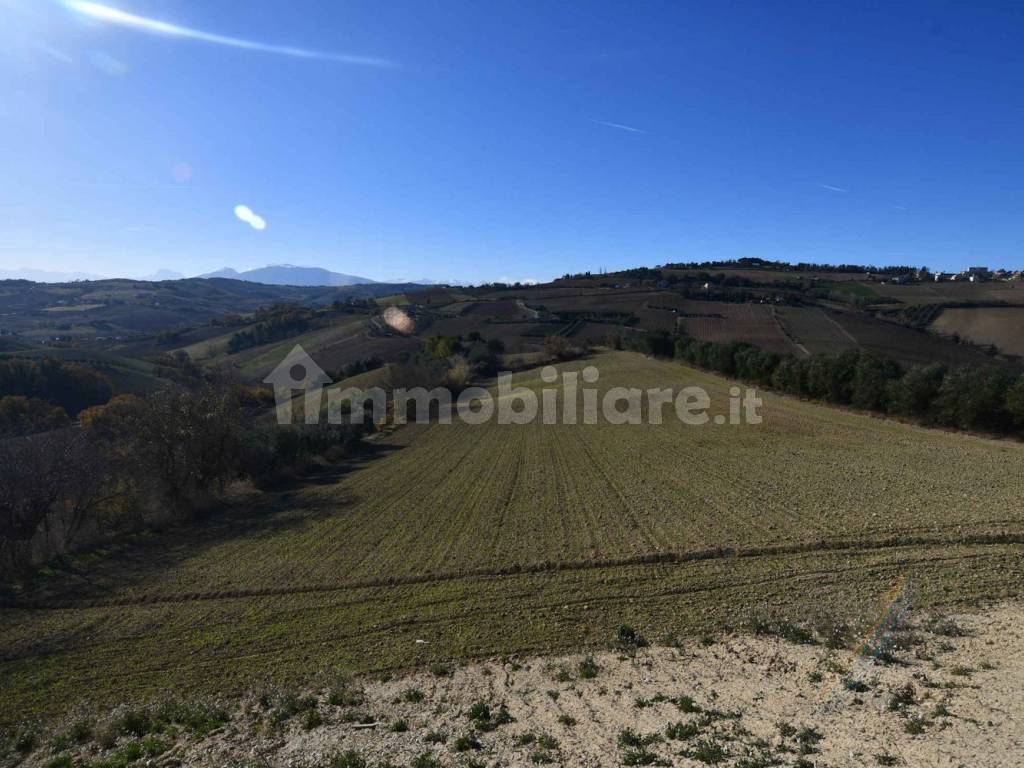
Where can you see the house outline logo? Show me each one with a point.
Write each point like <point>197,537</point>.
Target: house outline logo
<point>298,371</point>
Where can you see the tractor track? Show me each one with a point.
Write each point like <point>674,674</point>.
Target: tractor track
<point>659,557</point>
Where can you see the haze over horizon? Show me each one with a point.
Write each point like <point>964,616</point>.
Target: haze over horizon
<point>520,141</point>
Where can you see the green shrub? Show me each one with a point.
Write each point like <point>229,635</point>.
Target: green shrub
<point>628,639</point>
<point>588,668</point>
<point>467,742</point>
<point>682,731</point>
<point>349,759</point>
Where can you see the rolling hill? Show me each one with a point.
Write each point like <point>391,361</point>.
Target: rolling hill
<point>481,540</point>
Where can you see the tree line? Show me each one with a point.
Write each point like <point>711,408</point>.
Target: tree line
<point>987,398</point>
<point>44,394</point>
<point>137,462</point>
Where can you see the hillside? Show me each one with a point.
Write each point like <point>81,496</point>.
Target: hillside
<point>788,312</point>
<point>103,313</point>
<point>494,539</point>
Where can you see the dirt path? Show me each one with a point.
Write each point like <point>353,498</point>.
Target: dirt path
<point>522,305</point>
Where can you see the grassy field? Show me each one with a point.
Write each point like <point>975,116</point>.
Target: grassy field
<point>510,539</point>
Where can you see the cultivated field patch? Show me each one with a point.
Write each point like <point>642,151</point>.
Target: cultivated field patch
<point>1002,327</point>
<point>495,539</point>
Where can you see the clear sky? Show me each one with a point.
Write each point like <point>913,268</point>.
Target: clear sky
<point>483,140</point>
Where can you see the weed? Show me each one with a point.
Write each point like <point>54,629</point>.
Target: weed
<point>524,739</point>
<point>291,705</point>
<point>467,742</point>
<point>707,751</point>
<point>153,746</point>
<point>312,719</point>
<point>546,741</point>
<point>886,759</point>
<point>349,759</point>
<point>642,757</point>
<point>588,668</point>
<point>766,627</point>
<point>902,697</point>
<point>946,627</point>
<point>630,739</point>
<point>855,685</point>
<point>629,640</point>
<point>834,666</point>
<point>567,720</point>
<point>834,633</point>
<point>807,740</point>
<point>342,696</point>
<point>435,737</point>
<point>686,704</point>
<point>904,641</point>
<point>562,674</point>
<point>355,716</point>
<point>914,725</point>
<point>424,760</point>
<point>125,755</point>
<point>399,726</point>
<point>484,720</point>
<point>133,722</point>
<point>439,669</point>
<point>815,676</point>
<point>79,733</point>
<point>413,695</point>
<point>940,710</point>
<point>961,671</point>
<point>682,731</point>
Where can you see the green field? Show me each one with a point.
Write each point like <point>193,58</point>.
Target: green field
<point>504,539</point>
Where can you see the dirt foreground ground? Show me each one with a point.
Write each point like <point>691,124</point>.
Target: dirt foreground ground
<point>950,694</point>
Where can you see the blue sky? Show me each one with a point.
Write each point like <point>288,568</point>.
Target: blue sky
<point>481,140</point>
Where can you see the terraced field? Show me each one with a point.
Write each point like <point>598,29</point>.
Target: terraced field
<point>507,539</point>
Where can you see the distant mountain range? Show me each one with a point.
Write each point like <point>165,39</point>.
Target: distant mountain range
<point>273,274</point>
<point>46,276</point>
<point>287,274</point>
<point>163,274</point>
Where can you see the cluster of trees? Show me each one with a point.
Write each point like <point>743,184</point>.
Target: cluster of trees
<point>273,324</point>
<point>480,354</point>
<point>20,415</point>
<point>40,395</point>
<point>139,461</point>
<point>71,386</point>
<point>755,263</point>
<point>448,361</point>
<point>356,367</point>
<point>984,398</point>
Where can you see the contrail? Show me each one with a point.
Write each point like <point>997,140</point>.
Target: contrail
<point>110,15</point>
<point>620,126</point>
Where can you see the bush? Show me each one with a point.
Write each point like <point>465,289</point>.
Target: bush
<point>588,668</point>
<point>628,639</point>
